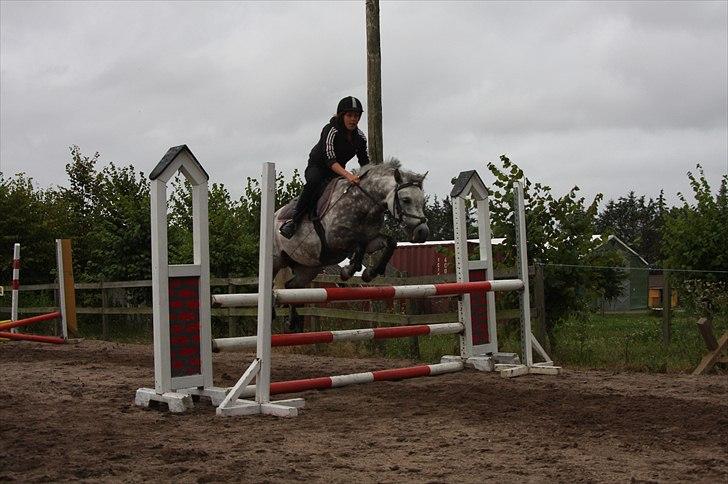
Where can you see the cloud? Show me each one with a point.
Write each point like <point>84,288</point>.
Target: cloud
<point>603,95</point>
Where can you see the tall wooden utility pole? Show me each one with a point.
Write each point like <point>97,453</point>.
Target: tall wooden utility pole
<point>374,83</point>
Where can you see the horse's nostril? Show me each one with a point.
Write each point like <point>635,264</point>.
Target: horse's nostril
<point>420,233</point>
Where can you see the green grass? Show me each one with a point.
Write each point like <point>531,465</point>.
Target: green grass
<point>631,342</point>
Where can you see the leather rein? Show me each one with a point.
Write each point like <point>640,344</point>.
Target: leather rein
<point>399,214</point>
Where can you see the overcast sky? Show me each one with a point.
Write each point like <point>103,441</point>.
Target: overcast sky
<point>612,96</point>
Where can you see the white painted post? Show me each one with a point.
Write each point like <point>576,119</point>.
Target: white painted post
<point>261,366</point>
<point>15,285</point>
<point>201,251</point>
<point>265,282</point>
<point>519,215</point>
<point>460,232</point>
<point>160,287</point>
<point>486,254</point>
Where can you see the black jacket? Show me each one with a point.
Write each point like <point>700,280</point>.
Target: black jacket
<point>333,146</point>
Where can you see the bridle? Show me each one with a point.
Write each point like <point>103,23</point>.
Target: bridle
<point>398,205</point>
<point>399,214</point>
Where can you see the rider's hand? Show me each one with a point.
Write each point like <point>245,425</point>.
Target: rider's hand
<point>353,179</point>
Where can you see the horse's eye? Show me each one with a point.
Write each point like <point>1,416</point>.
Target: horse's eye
<point>407,200</point>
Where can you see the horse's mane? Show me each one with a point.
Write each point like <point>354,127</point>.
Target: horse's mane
<point>388,169</point>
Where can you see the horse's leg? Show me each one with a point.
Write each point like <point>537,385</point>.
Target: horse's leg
<point>295,320</point>
<point>387,245</point>
<point>302,275</point>
<point>279,263</point>
<point>354,263</point>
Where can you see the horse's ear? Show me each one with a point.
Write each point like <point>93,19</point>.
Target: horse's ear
<point>425,175</point>
<point>397,176</point>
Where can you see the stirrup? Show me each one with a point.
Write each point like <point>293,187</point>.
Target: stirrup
<point>288,229</point>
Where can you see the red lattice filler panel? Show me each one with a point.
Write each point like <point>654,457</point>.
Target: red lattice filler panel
<point>184,326</point>
<point>479,310</point>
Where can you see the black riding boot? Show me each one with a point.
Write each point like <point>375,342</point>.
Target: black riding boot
<point>308,197</point>
<point>289,227</point>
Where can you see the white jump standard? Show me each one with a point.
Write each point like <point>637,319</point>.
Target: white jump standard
<point>182,338</point>
<point>15,285</point>
<point>181,301</point>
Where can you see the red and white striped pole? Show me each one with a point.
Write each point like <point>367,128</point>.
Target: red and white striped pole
<point>319,295</point>
<point>300,339</point>
<point>322,383</point>
<point>15,285</point>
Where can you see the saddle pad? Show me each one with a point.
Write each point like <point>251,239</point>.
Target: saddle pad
<point>287,212</point>
<point>325,198</point>
<point>323,202</point>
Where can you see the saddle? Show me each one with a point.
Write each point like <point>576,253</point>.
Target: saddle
<point>314,213</point>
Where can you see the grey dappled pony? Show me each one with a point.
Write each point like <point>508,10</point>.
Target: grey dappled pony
<point>352,222</point>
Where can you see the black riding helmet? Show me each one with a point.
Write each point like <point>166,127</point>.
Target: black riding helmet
<point>349,103</point>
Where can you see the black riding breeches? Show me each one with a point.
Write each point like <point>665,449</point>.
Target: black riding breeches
<point>316,180</point>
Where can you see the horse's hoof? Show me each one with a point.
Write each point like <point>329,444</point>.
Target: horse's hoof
<point>344,274</point>
<point>293,327</point>
<point>368,276</point>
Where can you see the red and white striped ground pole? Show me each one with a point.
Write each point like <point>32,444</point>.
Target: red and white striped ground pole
<point>15,285</point>
<point>338,381</point>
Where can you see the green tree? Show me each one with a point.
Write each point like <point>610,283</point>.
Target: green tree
<point>25,219</point>
<point>439,218</point>
<point>560,236</point>
<point>120,241</point>
<point>694,238</point>
<point>234,225</point>
<point>81,207</point>
<point>179,220</point>
<point>635,222</point>
<point>233,251</point>
<point>250,200</point>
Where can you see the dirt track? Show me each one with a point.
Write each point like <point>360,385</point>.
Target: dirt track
<point>66,413</point>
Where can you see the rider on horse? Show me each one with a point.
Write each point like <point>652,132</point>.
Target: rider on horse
<point>340,140</point>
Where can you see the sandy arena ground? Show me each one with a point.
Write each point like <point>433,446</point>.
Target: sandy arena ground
<point>67,413</point>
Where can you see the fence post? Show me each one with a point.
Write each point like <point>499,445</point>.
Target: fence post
<point>666,310</point>
<point>66,288</point>
<point>104,317</point>
<point>414,306</point>
<point>539,300</point>
<point>380,345</point>
<point>232,327</point>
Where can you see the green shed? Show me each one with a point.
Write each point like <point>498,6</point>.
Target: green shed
<point>635,288</point>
